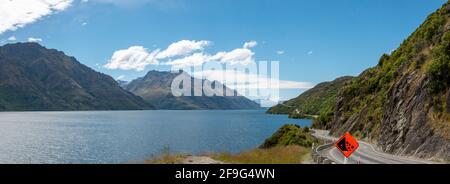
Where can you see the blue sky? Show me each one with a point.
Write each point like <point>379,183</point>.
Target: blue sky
<point>314,40</point>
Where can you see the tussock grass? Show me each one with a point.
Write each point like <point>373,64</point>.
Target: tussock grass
<point>166,157</point>
<point>441,123</point>
<point>276,155</point>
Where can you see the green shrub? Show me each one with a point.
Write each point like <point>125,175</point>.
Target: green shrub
<point>439,69</point>
<point>289,135</point>
<point>306,129</point>
<point>385,57</point>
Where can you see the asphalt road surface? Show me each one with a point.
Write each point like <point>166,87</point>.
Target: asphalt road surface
<point>365,154</point>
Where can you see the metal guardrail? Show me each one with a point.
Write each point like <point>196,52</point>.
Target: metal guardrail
<point>316,152</point>
<point>318,158</point>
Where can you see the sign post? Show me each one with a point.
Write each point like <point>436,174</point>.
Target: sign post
<point>347,144</point>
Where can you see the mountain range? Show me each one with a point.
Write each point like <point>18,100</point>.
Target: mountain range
<point>34,78</point>
<point>318,100</point>
<point>155,88</point>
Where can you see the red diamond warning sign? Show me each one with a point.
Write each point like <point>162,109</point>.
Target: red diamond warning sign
<point>347,144</point>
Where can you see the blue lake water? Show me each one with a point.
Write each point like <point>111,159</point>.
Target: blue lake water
<point>128,136</point>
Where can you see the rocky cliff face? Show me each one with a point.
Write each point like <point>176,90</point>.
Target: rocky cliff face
<point>408,126</point>
<point>403,103</point>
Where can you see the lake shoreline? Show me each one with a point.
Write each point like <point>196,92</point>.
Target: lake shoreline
<point>290,144</point>
<point>102,136</point>
<point>127,110</point>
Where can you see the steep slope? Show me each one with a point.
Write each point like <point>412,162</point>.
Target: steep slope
<point>35,78</point>
<point>315,101</point>
<point>403,103</point>
<point>155,88</point>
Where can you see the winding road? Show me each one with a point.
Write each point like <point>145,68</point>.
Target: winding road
<point>365,154</point>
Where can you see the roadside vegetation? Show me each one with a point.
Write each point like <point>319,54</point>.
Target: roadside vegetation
<point>293,154</point>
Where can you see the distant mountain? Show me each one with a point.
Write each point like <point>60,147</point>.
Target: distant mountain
<point>34,78</point>
<point>122,83</point>
<point>318,100</point>
<point>155,88</point>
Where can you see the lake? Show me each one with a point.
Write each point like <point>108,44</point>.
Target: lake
<point>130,136</point>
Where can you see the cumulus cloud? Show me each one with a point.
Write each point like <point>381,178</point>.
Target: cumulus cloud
<point>240,56</point>
<point>31,39</point>
<point>183,47</point>
<point>196,59</point>
<point>180,54</point>
<point>133,58</point>
<point>187,53</point>
<point>19,13</point>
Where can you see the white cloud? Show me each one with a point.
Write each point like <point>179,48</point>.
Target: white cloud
<point>31,39</point>
<point>133,58</point>
<point>84,24</point>
<point>250,44</point>
<point>195,59</point>
<point>179,54</point>
<point>240,56</point>
<point>284,84</point>
<point>256,87</point>
<point>242,81</point>
<point>280,52</point>
<point>183,47</point>
<point>12,38</point>
<point>19,13</point>
<point>310,52</point>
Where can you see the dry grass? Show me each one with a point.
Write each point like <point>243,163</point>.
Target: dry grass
<point>275,155</point>
<point>441,123</point>
<point>166,157</point>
